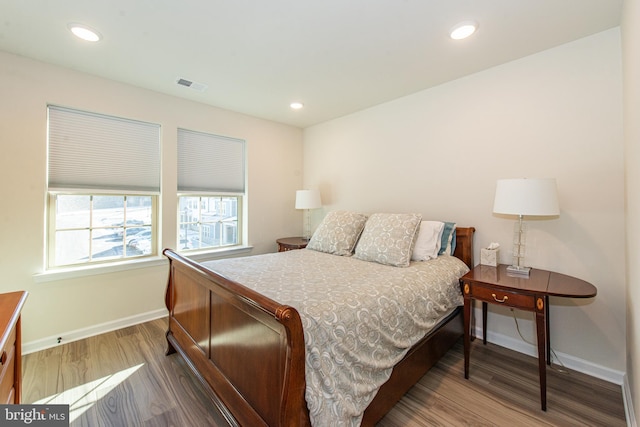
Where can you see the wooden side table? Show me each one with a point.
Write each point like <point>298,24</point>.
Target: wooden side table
<point>494,285</point>
<point>291,243</point>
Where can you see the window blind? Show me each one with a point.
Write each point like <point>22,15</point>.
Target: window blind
<point>99,152</point>
<point>210,163</point>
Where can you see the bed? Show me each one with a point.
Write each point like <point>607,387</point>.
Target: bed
<point>247,344</point>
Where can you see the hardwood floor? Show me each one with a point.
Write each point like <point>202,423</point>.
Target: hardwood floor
<point>503,390</point>
<point>123,378</point>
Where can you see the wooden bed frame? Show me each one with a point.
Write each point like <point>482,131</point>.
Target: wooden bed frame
<point>248,350</point>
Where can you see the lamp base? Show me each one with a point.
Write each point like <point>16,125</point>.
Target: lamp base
<point>517,270</point>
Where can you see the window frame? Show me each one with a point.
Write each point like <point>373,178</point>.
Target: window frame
<point>50,258</point>
<point>239,221</point>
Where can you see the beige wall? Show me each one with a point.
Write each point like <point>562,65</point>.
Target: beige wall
<point>440,151</point>
<point>631,72</point>
<point>57,307</point>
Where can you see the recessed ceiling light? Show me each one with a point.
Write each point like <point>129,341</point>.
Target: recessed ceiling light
<point>84,32</point>
<point>296,105</point>
<point>463,30</point>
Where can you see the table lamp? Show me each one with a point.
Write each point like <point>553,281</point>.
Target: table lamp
<point>308,199</point>
<point>530,197</point>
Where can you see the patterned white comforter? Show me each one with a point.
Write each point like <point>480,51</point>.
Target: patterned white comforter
<point>359,318</point>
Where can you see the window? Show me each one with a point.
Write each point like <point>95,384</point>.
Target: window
<point>208,222</point>
<point>211,182</point>
<point>104,183</point>
<point>89,228</point>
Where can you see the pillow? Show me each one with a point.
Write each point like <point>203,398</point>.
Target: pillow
<point>428,241</point>
<point>448,241</point>
<point>338,233</point>
<point>453,242</point>
<point>388,239</point>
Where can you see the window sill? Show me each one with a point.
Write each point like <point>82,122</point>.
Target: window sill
<point>91,270</point>
<point>210,255</point>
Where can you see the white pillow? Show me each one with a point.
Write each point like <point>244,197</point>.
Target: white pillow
<point>428,241</point>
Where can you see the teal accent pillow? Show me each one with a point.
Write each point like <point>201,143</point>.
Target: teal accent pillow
<point>453,241</point>
<point>448,241</point>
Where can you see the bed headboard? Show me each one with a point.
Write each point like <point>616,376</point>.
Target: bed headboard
<point>464,245</point>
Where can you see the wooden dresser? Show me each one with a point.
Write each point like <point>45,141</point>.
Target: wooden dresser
<point>11,347</point>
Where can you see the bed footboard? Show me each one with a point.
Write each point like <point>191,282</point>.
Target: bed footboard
<point>246,349</point>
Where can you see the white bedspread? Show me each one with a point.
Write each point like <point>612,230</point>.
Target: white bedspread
<point>359,318</point>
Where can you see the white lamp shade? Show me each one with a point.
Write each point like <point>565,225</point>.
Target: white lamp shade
<point>308,199</point>
<point>533,197</point>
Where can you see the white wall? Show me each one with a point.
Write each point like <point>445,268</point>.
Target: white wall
<point>55,308</point>
<point>440,151</point>
<point>631,71</point>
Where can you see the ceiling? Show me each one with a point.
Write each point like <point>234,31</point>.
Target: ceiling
<point>257,56</point>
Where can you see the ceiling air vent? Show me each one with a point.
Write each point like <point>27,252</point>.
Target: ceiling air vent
<point>199,87</point>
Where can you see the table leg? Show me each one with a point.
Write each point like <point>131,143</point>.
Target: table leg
<point>546,308</point>
<point>472,321</point>
<point>484,323</point>
<point>467,335</point>
<point>541,328</point>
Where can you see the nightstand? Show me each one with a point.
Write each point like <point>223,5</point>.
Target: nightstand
<point>493,285</point>
<point>291,243</point>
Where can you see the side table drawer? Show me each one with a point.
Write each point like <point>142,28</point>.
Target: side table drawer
<point>498,296</point>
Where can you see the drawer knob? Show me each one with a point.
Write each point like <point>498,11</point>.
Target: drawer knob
<point>3,358</point>
<point>500,300</point>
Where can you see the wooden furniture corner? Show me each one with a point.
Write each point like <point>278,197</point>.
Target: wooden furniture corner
<point>291,243</point>
<point>11,347</point>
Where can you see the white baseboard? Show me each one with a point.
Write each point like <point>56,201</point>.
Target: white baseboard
<point>572,362</point>
<point>78,334</point>
<point>628,404</point>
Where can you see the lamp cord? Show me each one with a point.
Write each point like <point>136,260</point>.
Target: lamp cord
<point>553,353</point>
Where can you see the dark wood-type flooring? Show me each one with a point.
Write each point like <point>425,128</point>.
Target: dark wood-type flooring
<point>123,378</point>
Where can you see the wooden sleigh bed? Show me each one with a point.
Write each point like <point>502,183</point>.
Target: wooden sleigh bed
<point>248,350</point>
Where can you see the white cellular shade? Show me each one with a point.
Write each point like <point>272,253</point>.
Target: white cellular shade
<point>536,197</point>
<point>210,163</point>
<point>100,152</point>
